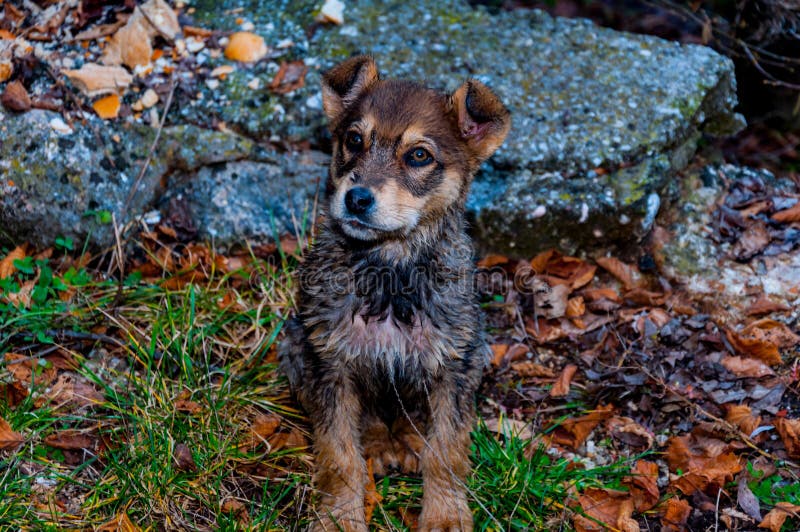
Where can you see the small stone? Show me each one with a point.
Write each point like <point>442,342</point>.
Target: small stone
<point>195,45</point>
<point>254,84</point>
<point>59,126</point>
<point>247,26</point>
<point>15,97</point>
<point>212,84</point>
<point>221,71</point>
<point>284,44</point>
<point>332,12</point>
<point>148,100</point>
<point>539,211</point>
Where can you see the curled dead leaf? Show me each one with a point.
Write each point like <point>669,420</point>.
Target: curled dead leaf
<point>676,512</point>
<point>96,80</point>
<point>8,438</point>
<point>71,440</point>
<point>789,430</point>
<point>789,215</point>
<point>573,432</point>
<point>7,267</point>
<point>742,417</point>
<point>498,354</point>
<point>263,427</point>
<point>561,386</point>
<point>15,97</point>
<point>183,458</point>
<point>610,507</point>
<point>629,432</point>
<point>776,517</point>
<point>643,486</point>
<point>746,367</point>
<point>628,275</point>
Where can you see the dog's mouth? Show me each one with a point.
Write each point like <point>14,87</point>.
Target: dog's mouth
<point>361,230</point>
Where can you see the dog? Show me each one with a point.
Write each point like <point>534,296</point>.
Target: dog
<point>386,352</point>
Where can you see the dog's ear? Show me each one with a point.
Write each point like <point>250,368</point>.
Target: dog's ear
<point>344,83</point>
<point>482,119</point>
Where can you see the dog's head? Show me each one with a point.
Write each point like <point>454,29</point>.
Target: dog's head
<point>403,154</point>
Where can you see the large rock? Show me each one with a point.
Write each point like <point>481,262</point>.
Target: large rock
<point>601,122</point>
<point>601,119</point>
<point>72,181</point>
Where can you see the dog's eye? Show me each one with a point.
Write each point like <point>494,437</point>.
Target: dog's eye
<point>353,141</point>
<point>419,157</point>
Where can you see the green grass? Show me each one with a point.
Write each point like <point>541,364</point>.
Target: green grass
<point>149,349</point>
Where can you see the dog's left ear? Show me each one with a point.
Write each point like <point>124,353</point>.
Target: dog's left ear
<point>344,83</point>
<point>482,119</point>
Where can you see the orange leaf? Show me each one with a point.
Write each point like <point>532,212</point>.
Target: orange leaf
<point>263,427</point>
<point>8,438</point>
<point>575,307</point>
<point>643,485</point>
<point>789,429</point>
<point>791,214</point>
<point>7,264</point>
<point>492,260</point>
<point>777,516</point>
<point>120,523</point>
<point>676,513</point>
<point>573,432</point>
<point>498,353</point>
<point>528,368</point>
<point>742,417</point>
<point>611,507</point>
<point>561,387</point>
<point>628,275</point>
<point>754,347</point>
<point>246,47</point>
<point>746,367</point>
<point>70,440</point>
<point>107,107</point>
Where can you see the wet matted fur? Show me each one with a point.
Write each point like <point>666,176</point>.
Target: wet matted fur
<point>386,351</point>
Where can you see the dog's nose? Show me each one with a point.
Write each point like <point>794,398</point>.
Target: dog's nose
<point>358,200</point>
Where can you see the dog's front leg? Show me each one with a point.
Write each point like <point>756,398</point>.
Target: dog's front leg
<point>341,472</point>
<point>445,461</point>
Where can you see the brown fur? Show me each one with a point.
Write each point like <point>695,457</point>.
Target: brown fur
<point>386,352</point>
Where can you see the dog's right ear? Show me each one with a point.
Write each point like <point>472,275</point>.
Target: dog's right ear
<point>344,83</point>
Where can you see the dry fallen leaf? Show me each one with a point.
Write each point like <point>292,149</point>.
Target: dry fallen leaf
<point>507,427</point>
<point>777,516</point>
<point>628,275</point>
<point>120,523</point>
<point>676,513</point>
<point>789,429</point>
<point>15,97</point>
<point>245,47</point>
<point>72,440</point>
<point>263,427</point>
<point>629,432</point>
<point>491,261</point>
<point>614,508</point>
<point>707,464</point>
<point>746,367</point>
<point>561,386</point>
<point>742,417</point>
<point>764,305</point>
<point>7,264</point>
<point>528,368</point>
<point>183,458</point>
<point>107,107</point>
<point>642,485</point>
<point>131,45</point>
<point>8,438</point>
<point>95,80</point>
<point>789,215</point>
<point>291,76</point>
<point>498,353</point>
<point>574,431</point>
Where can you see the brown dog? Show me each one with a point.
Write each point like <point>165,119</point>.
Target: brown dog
<point>386,352</point>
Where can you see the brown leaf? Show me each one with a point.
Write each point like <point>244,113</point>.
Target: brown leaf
<point>676,513</point>
<point>291,76</point>
<point>190,407</point>
<point>8,438</point>
<point>7,267</point>
<point>120,523</point>
<point>611,507</point>
<point>643,486</point>
<point>628,275</point>
<point>575,307</point>
<point>707,464</point>
<point>746,367</point>
<point>764,305</point>
<point>742,417</point>
<point>508,426</point>
<point>544,331</point>
<point>69,389</point>
<point>15,97</point>
<point>183,458</point>
<point>549,301</point>
<point>263,427</point>
<point>237,508</point>
<point>754,239</point>
<point>561,386</point>
<point>294,439</point>
<point>777,516</point>
<point>498,354</point>
<point>371,496</point>
<point>95,80</point>
<point>131,45</point>
<point>22,369</point>
<point>245,47</point>
<point>746,498</point>
<point>629,432</point>
<point>573,432</point>
<point>528,368</point>
<point>754,347</point>
<point>792,214</point>
<point>71,440</point>
<point>789,429</point>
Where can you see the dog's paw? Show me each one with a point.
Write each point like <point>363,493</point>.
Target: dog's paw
<point>395,452</point>
<point>441,514</point>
